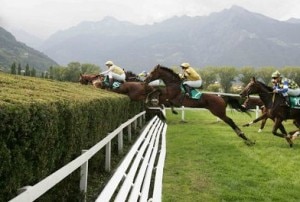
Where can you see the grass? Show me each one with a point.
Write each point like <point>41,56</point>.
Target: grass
<point>207,161</point>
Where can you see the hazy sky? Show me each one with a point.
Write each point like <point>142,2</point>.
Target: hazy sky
<point>44,17</point>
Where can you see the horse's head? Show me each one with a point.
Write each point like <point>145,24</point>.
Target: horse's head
<point>130,76</point>
<point>163,73</point>
<point>154,74</point>
<point>251,88</point>
<point>94,79</point>
<point>83,80</point>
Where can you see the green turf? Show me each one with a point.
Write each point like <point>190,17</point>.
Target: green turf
<point>207,161</point>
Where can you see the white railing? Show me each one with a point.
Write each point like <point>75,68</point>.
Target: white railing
<point>139,176</point>
<point>32,193</point>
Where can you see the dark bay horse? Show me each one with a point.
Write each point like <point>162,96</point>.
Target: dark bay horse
<point>130,76</point>
<point>214,103</point>
<point>276,110</point>
<point>251,103</point>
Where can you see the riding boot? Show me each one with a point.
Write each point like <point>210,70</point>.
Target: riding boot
<point>287,101</point>
<point>187,90</point>
<point>111,81</point>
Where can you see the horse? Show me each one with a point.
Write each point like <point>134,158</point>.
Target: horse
<point>93,79</point>
<point>214,103</point>
<point>251,103</point>
<point>136,91</point>
<point>277,111</point>
<point>130,76</point>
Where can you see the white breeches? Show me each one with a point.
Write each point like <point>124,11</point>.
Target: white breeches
<point>115,76</point>
<point>194,84</point>
<point>294,92</point>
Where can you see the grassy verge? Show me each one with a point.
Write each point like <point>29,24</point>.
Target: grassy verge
<point>206,161</point>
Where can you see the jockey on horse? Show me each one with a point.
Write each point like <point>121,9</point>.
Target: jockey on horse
<point>114,72</point>
<point>285,86</point>
<point>193,79</point>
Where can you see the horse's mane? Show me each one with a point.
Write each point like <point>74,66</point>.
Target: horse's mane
<point>265,86</point>
<point>169,70</point>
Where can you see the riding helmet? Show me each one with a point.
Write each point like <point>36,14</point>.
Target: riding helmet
<point>276,74</point>
<point>109,63</point>
<point>185,65</point>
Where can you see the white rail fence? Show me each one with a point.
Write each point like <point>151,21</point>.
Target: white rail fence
<point>139,176</point>
<point>31,193</point>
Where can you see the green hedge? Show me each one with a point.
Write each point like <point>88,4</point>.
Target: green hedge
<point>45,124</point>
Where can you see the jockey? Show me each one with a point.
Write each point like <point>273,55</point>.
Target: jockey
<point>143,75</point>
<point>284,86</point>
<point>193,79</point>
<point>113,72</point>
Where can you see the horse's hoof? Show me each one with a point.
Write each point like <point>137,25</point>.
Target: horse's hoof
<point>246,125</point>
<point>289,140</point>
<point>260,130</point>
<point>249,143</point>
<point>175,112</point>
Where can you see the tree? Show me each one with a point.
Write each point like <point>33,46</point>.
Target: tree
<point>246,73</point>
<point>90,69</point>
<point>19,69</point>
<point>13,69</point>
<point>264,74</point>
<point>209,76</point>
<point>27,70</point>
<point>291,73</point>
<point>33,72</point>
<point>227,75</point>
<point>51,72</point>
<point>72,72</point>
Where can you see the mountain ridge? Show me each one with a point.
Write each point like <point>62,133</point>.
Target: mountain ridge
<point>231,37</point>
<point>12,50</point>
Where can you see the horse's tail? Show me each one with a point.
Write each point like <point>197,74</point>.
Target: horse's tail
<point>234,103</point>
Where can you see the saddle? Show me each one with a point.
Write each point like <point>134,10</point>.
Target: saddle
<point>116,84</point>
<point>294,102</point>
<point>194,93</point>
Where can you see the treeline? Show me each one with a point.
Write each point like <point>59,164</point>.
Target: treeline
<point>232,79</point>
<point>216,79</point>
<point>70,72</point>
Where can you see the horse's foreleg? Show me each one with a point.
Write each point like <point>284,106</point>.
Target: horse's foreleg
<point>263,116</point>
<point>283,134</point>
<point>262,125</point>
<point>172,107</point>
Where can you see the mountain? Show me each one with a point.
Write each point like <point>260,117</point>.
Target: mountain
<point>29,39</point>
<point>293,20</point>
<point>12,50</point>
<point>232,37</point>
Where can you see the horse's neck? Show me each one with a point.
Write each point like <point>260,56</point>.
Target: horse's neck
<point>170,79</point>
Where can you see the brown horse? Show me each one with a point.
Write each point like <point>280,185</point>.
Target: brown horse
<point>214,103</point>
<point>130,76</point>
<point>136,91</point>
<point>93,79</point>
<point>276,109</point>
<point>251,103</point>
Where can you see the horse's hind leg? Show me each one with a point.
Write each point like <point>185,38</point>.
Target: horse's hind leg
<point>296,133</point>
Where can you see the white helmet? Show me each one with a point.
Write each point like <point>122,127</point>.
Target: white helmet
<point>185,65</point>
<point>109,63</point>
